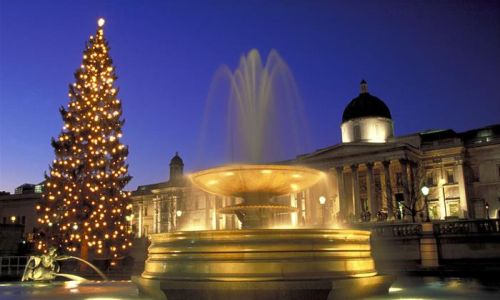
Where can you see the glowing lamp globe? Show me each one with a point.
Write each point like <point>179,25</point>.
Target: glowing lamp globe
<point>425,190</point>
<point>101,22</point>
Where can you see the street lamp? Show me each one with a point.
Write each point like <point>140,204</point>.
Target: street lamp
<point>322,201</point>
<point>487,206</point>
<point>178,213</point>
<point>425,192</point>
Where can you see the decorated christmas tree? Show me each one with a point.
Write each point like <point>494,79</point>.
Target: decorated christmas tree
<point>84,209</point>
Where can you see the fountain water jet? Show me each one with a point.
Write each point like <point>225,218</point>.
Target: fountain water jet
<point>260,110</point>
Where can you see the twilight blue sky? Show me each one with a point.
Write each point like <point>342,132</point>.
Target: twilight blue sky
<point>435,63</point>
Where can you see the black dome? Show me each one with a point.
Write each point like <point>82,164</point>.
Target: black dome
<point>365,105</point>
<point>176,160</point>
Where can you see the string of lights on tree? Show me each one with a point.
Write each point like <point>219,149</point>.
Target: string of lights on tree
<point>84,205</point>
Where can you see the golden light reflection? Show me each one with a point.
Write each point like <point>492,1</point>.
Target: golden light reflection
<point>212,182</point>
<point>394,289</point>
<point>71,284</point>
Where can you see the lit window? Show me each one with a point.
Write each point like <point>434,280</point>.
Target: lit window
<point>450,175</point>
<point>430,179</point>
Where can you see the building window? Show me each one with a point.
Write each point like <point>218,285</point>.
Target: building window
<point>450,175</point>
<point>145,211</point>
<point>4,220</point>
<point>357,132</point>
<point>476,175</point>
<point>434,210</point>
<point>430,179</point>
<point>452,208</point>
<point>38,188</point>
<point>23,220</point>
<point>498,170</point>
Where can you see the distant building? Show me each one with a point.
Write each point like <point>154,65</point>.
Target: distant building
<point>176,205</point>
<point>371,176</point>
<point>20,207</point>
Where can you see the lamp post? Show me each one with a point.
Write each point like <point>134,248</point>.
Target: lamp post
<point>425,192</point>
<point>487,206</point>
<point>322,201</point>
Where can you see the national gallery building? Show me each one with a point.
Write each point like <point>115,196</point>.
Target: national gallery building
<point>372,176</point>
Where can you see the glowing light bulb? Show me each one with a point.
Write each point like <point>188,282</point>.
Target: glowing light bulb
<point>101,22</point>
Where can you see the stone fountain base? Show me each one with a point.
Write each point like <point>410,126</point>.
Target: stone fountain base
<point>261,264</point>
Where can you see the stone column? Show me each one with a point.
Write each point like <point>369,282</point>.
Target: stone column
<point>355,192</point>
<point>465,210</point>
<point>140,216</point>
<point>388,189</point>
<point>155,215</point>
<point>372,199</point>
<point>341,192</point>
<point>173,212</point>
<point>406,186</point>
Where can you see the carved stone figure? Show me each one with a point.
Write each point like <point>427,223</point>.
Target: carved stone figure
<point>42,267</point>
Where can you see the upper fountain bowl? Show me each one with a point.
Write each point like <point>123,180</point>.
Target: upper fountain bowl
<point>249,180</point>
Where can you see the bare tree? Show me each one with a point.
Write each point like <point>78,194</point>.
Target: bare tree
<point>414,200</point>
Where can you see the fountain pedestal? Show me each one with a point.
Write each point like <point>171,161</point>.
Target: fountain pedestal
<point>261,264</point>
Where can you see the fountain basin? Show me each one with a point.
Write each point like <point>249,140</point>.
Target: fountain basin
<point>263,264</point>
<point>256,185</point>
<point>251,181</point>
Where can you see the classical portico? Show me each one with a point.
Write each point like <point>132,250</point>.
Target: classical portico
<point>367,187</point>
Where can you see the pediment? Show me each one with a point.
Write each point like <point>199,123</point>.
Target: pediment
<point>340,151</point>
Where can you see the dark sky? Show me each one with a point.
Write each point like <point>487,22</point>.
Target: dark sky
<point>436,64</point>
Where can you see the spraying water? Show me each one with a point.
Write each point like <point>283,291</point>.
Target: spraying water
<point>257,108</point>
<point>88,264</point>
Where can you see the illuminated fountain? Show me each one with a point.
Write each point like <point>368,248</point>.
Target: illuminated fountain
<point>258,262</point>
<point>256,185</point>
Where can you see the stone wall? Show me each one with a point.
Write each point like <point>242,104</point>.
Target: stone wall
<point>402,247</point>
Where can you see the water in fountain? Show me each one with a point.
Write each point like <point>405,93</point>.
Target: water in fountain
<point>259,108</point>
<point>88,264</point>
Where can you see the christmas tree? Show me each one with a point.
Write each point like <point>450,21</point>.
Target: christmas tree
<point>84,208</point>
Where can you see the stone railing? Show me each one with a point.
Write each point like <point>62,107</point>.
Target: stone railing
<point>482,226</point>
<point>12,266</point>
<point>392,230</point>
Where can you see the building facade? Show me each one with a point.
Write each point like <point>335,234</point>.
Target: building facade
<point>371,176</point>
<point>20,208</point>
<point>177,205</point>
